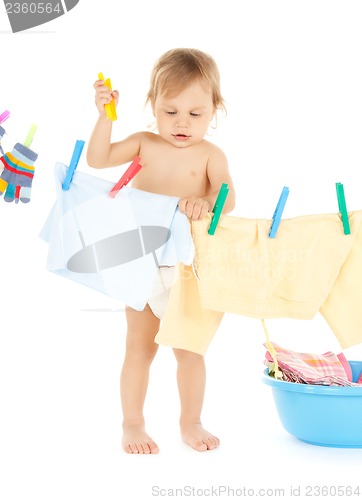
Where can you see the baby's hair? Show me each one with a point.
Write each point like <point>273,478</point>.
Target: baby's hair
<point>177,68</point>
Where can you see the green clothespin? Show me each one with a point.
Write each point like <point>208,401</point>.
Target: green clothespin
<point>342,208</point>
<point>30,136</point>
<point>219,205</point>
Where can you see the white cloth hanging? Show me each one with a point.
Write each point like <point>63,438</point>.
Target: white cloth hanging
<point>114,245</point>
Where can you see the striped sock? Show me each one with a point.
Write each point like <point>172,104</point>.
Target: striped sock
<point>17,176</point>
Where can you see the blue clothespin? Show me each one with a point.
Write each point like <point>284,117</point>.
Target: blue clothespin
<point>278,212</point>
<point>219,205</point>
<point>343,208</point>
<point>73,164</point>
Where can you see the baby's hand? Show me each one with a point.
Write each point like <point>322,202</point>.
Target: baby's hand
<point>104,96</point>
<point>194,208</point>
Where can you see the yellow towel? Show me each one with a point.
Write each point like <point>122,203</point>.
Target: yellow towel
<point>186,325</point>
<point>310,266</point>
<point>343,307</point>
<point>241,270</point>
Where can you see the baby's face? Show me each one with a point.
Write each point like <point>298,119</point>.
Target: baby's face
<point>183,120</point>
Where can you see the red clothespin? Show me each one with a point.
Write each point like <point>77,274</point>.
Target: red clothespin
<point>131,171</point>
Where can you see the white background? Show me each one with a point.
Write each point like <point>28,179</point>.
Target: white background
<point>292,80</point>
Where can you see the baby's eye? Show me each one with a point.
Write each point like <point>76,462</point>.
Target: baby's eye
<point>195,114</point>
<point>171,112</point>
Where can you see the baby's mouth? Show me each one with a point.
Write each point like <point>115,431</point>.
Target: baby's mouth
<point>181,136</point>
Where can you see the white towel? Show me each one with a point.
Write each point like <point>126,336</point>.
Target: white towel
<point>114,245</point>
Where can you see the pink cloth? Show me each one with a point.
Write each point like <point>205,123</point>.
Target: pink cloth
<point>307,368</point>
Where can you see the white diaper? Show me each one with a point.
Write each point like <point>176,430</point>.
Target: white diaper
<point>161,290</point>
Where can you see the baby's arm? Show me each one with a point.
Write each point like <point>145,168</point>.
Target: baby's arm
<point>101,152</point>
<point>217,173</point>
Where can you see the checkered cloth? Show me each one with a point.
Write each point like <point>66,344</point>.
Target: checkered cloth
<point>307,368</point>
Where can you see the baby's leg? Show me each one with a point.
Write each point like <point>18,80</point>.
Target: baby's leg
<point>140,351</point>
<point>191,379</point>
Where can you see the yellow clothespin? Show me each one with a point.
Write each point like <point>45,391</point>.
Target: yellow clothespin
<point>277,373</point>
<point>110,108</point>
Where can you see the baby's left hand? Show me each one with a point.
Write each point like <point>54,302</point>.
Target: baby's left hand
<point>194,208</point>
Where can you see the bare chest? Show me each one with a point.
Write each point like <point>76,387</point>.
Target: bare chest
<point>173,174</point>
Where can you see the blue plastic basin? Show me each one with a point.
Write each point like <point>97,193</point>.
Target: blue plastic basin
<point>320,415</point>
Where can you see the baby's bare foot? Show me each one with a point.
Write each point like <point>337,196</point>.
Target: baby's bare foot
<point>198,438</point>
<point>136,440</point>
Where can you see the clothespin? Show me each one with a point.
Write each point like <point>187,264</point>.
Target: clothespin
<point>4,116</point>
<point>342,208</point>
<point>219,205</point>
<point>110,108</point>
<point>30,136</point>
<point>278,212</point>
<point>73,164</point>
<point>131,171</point>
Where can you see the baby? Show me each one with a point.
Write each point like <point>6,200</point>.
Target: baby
<point>177,161</point>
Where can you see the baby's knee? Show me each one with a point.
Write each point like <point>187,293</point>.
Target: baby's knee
<point>143,351</point>
<point>183,356</point>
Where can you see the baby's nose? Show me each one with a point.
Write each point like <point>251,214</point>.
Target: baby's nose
<point>182,121</point>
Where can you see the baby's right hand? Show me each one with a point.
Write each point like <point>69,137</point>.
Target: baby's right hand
<point>104,96</point>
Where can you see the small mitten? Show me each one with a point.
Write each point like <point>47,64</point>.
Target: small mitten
<point>17,176</point>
